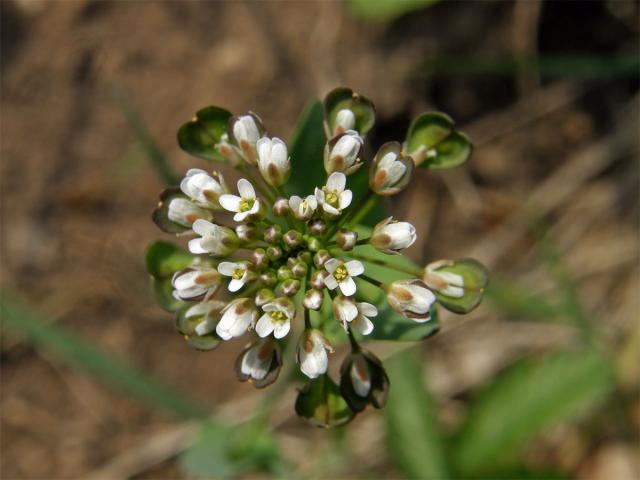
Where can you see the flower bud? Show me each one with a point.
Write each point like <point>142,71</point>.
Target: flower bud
<point>284,273</point>
<point>281,207</point>
<point>342,153</point>
<point>185,212</point>
<point>299,270</point>
<point>292,238</point>
<point>246,233</point>
<point>312,353</point>
<point>320,257</point>
<point>303,208</point>
<point>194,283</point>
<point>274,253</point>
<point>259,258</point>
<point>459,285</point>
<point>263,296</point>
<point>390,170</point>
<point>228,151</point>
<point>273,234</point>
<point>304,256</point>
<point>411,299</point>
<point>363,380</point>
<point>317,279</point>
<point>216,240</point>
<point>259,363</point>
<point>288,288</point>
<point>345,120</point>
<point>269,278</point>
<point>273,161</point>
<point>237,317</point>
<point>245,131</point>
<point>312,299</point>
<point>202,188</point>
<point>390,236</point>
<point>313,243</point>
<point>317,227</point>
<point>346,239</point>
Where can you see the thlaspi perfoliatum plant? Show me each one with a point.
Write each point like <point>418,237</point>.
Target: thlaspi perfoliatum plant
<point>284,256</point>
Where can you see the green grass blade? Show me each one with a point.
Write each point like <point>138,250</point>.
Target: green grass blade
<point>385,10</point>
<point>83,355</point>
<point>413,435</point>
<point>136,124</point>
<point>530,396</point>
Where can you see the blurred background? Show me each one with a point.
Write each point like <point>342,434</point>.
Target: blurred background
<point>541,381</point>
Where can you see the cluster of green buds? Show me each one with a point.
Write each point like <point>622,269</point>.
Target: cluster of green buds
<point>288,269</point>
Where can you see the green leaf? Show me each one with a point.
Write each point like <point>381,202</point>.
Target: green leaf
<point>475,277</point>
<point>343,98</point>
<point>413,435</point>
<point>306,150</point>
<point>163,259</point>
<point>223,451</point>
<point>163,294</point>
<point>200,135</point>
<point>529,397</point>
<point>87,357</point>
<point>433,142</point>
<point>385,10</point>
<point>321,403</point>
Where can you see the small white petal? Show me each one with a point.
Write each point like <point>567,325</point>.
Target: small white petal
<point>367,309</point>
<point>336,181</point>
<point>230,202</point>
<point>330,282</point>
<point>195,246</point>
<point>345,199</point>
<point>203,227</point>
<point>281,329</point>
<point>265,325</point>
<point>347,286</point>
<point>246,189</point>
<point>227,268</point>
<point>331,264</point>
<point>363,325</point>
<point>354,268</point>
<point>235,285</point>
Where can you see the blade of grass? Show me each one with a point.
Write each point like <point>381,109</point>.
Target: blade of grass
<point>412,430</point>
<point>136,124</point>
<point>82,355</point>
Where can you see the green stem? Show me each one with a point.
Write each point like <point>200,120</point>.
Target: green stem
<point>351,213</point>
<point>257,183</point>
<point>372,281</point>
<point>355,346</point>
<point>399,268</point>
<point>362,212</point>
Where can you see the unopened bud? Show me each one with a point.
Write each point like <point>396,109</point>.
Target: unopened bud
<point>345,120</point>
<point>346,239</point>
<point>299,270</point>
<point>263,296</point>
<point>292,238</point>
<point>259,258</point>
<point>317,279</point>
<point>320,257</point>
<point>313,243</point>
<point>273,161</point>
<point>269,278</point>
<point>288,288</point>
<point>274,253</point>
<point>304,256</point>
<point>317,227</point>
<point>284,273</point>
<point>273,234</point>
<point>390,170</point>
<point>245,132</point>
<point>312,299</point>
<point>281,207</point>
<point>246,233</point>
<point>342,153</point>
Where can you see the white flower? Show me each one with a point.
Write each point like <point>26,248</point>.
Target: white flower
<point>259,363</point>
<point>244,205</point>
<point>273,160</point>
<point>184,212</point>
<point>412,299</point>
<point>277,318</point>
<point>205,310</point>
<point>303,209</point>
<point>390,236</point>
<point>341,273</point>
<point>333,197</point>
<point>390,170</point>
<point>237,317</point>
<point>447,283</point>
<point>239,273</point>
<point>195,282</point>
<point>348,312</point>
<point>216,240</point>
<point>312,353</point>
<point>202,188</point>
<point>247,130</point>
<point>345,120</point>
<point>341,154</point>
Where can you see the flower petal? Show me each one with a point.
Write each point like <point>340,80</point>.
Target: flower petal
<point>336,181</point>
<point>246,189</point>
<point>281,329</point>
<point>348,286</point>
<point>265,325</point>
<point>354,268</point>
<point>331,264</point>
<point>229,202</point>
<point>227,268</point>
<point>345,199</point>
<point>195,246</point>
<point>330,282</point>
<point>235,285</point>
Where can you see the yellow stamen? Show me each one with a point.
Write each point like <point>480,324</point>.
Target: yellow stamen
<point>246,204</point>
<point>340,273</point>
<point>278,316</point>
<point>237,274</point>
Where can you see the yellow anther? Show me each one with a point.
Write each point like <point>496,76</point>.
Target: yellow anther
<point>341,273</point>
<point>237,274</point>
<point>246,204</point>
<point>278,316</point>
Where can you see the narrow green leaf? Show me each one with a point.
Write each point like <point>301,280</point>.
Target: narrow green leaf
<point>85,356</point>
<point>412,431</point>
<point>306,150</point>
<point>163,259</point>
<point>386,10</point>
<point>530,396</point>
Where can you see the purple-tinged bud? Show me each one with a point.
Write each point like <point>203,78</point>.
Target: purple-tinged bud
<point>299,270</point>
<point>269,278</point>
<point>312,299</point>
<point>259,258</point>
<point>292,238</point>
<point>342,153</point>
<point>274,253</point>
<point>264,295</point>
<point>346,239</point>
<point>273,234</point>
<point>281,207</point>
<point>317,279</point>
<point>246,233</point>
<point>320,257</point>
<point>390,170</point>
<point>288,288</point>
<point>317,227</point>
<point>284,273</point>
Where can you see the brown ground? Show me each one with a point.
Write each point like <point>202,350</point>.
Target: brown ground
<point>77,191</point>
